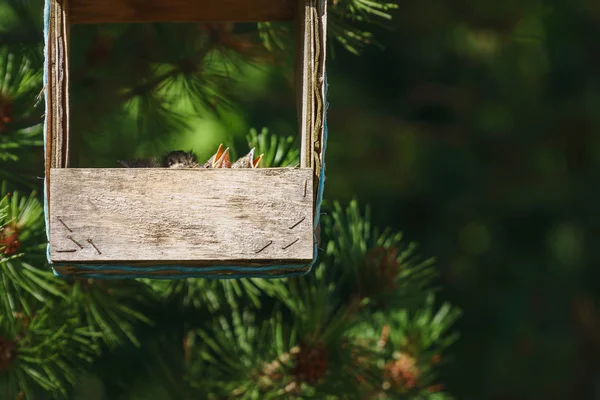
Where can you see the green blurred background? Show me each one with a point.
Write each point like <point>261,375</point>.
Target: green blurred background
<point>475,132</point>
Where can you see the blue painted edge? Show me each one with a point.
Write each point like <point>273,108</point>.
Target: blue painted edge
<point>187,276</point>
<point>46,110</point>
<point>188,272</point>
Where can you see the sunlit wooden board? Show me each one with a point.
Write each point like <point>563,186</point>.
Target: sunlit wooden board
<point>181,216</point>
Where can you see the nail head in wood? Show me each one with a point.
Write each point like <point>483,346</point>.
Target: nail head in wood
<point>290,245</point>
<point>92,243</point>
<point>74,241</point>
<point>297,223</point>
<point>268,244</point>
<point>65,225</point>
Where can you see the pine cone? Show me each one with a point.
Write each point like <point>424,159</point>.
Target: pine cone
<point>436,388</point>
<point>9,241</point>
<point>6,114</point>
<point>311,363</point>
<point>382,262</point>
<point>8,353</point>
<point>401,373</point>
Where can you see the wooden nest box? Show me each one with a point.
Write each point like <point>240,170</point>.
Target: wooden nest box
<point>175,223</point>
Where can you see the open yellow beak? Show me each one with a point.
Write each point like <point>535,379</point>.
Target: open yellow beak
<point>222,158</point>
<point>256,161</point>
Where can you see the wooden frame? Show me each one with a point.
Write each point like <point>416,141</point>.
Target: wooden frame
<point>197,222</point>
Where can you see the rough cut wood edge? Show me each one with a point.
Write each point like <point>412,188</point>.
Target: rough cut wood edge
<point>161,215</point>
<point>75,271</point>
<point>303,71</point>
<point>310,82</point>
<point>124,11</point>
<point>226,263</point>
<point>57,88</point>
<point>319,99</point>
<point>60,89</point>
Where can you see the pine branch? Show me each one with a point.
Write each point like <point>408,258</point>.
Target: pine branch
<point>184,70</point>
<point>20,114</point>
<point>42,353</point>
<point>233,363</point>
<point>21,29</point>
<point>111,309</point>
<point>373,267</point>
<point>211,295</point>
<point>245,356</point>
<point>411,345</point>
<point>155,370</point>
<point>22,286</point>
<point>346,15</point>
<point>345,19</point>
<point>279,151</point>
<point>274,36</point>
<point>151,85</point>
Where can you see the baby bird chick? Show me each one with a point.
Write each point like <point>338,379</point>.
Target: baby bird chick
<point>219,160</point>
<point>141,163</point>
<point>248,161</point>
<point>180,159</point>
<point>224,161</point>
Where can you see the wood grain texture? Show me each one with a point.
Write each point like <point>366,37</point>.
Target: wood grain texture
<point>122,11</point>
<point>303,72</point>
<point>318,86</point>
<point>165,215</point>
<point>311,40</point>
<point>57,88</point>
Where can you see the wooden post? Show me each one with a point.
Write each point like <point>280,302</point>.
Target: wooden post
<point>57,89</point>
<point>304,72</point>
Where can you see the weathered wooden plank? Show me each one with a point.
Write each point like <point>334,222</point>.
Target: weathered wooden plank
<point>122,11</point>
<point>60,84</point>
<point>178,216</point>
<point>57,88</point>
<point>311,35</point>
<point>310,81</point>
